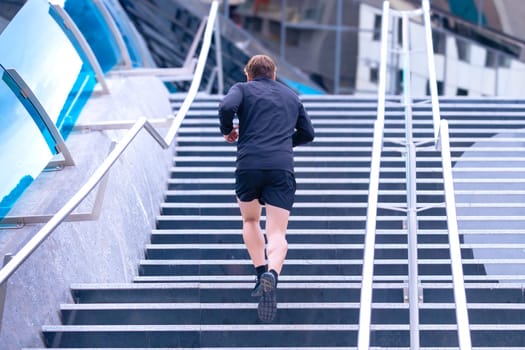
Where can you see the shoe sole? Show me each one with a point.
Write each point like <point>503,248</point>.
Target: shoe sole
<point>267,309</point>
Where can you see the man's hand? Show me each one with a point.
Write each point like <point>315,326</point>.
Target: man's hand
<point>233,135</point>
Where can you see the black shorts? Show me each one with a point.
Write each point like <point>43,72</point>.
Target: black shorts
<point>274,187</point>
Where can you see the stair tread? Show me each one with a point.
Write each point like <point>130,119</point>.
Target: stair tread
<point>283,305</point>
<point>357,260</point>
<point>289,348</point>
<point>270,327</point>
<point>284,283</point>
<point>489,278</point>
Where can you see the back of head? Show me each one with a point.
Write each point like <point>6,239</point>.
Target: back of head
<point>260,66</point>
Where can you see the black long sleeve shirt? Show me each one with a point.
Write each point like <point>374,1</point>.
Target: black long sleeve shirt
<point>272,120</point>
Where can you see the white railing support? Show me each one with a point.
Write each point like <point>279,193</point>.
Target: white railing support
<point>410,154</point>
<point>365,311</point>
<point>431,68</point>
<point>460,297</point>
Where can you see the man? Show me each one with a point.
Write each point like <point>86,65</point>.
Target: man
<point>272,120</point>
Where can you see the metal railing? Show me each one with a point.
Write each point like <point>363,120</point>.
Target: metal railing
<point>365,312</point>
<point>441,142</point>
<point>165,142</point>
<point>183,73</point>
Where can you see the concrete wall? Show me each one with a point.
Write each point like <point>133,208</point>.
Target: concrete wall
<point>106,250</point>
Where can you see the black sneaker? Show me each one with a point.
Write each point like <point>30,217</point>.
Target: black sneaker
<point>257,291</point>
<point>268,304</point>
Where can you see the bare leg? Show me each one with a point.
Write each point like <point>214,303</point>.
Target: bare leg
<point>276,224</point>
<point>251,231</point>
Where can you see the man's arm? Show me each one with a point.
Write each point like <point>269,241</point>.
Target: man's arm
<point>228,108</point>
<point>304,131</point>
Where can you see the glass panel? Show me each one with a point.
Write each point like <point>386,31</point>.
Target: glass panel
<point>137,49</point>
<point>26,151</point>
<point>38,48</point>
<point>96,31</point>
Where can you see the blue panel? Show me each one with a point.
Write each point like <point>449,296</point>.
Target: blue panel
<point>37,47</point>
<point>25,149</point>
<point>96,31</point>
<point>466,9</point>
<point>300,88</point>
<point>137,49</point>
<point>42,53</point>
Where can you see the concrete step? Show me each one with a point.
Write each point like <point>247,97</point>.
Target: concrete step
<point>344,267</point>
<point>319,335</point>
<point>237,313</point>
<point>321,288</point>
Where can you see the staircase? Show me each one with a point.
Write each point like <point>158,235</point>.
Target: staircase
<point>193,286</point>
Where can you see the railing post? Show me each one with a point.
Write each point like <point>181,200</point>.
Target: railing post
<point>431,68</point>
<point>337,54</point>
<point>413,287</point>
<point>218,54</point>
<point>413,295</point>
<point>284,21</point>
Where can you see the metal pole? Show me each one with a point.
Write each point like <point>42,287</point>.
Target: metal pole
<point>496,78</point>
<point>365,308</point>
<point>226,8</point>
<point>337,67</point>
<point>413,290</point>
<point>431,69</point>
<point>218,55</point>
<point>458,279</point>
<point>283,29</point>
<point>480,13</point>
<point>394,60</point>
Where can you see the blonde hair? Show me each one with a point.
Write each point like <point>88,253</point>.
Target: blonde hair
<point>260,66</point>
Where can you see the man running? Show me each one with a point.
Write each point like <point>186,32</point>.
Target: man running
<point>272,120</point>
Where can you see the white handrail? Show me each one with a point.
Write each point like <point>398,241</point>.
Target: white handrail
<point>365,312</point>
<point>411,186</point>
<point>455,247</point>
<point>199,70</point>
<point>106,165</point>
<point>441,140</point>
